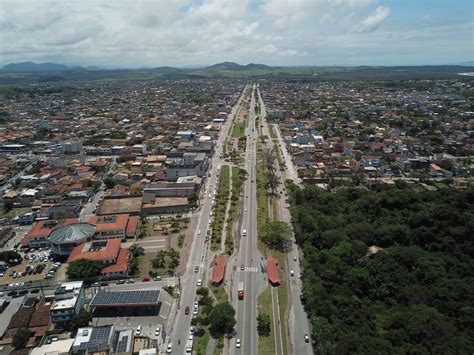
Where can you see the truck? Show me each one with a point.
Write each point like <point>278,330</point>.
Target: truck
<point>240,290</point>
<point>189,346</point>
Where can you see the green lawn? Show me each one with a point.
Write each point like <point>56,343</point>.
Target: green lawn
<point>271,130</point>
<point>220,207</point>
<point>220,294</point>
<point>238,130</point>
<point>266,345</point>
<point>201,342</point>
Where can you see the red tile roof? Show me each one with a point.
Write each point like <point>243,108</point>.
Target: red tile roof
<point>132,226</point>
<point>272,271</point>
<point>120,266</point>
<point>44,228</point>
<point>101,225</point>
<point>40,316</point>
<point>219,270</point>
<point>109,252</point>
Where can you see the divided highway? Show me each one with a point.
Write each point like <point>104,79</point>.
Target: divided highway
<point>198,251</point>
<point>298,320</point>
<point>248,256</point>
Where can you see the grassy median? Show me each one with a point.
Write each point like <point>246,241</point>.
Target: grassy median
<point>266,345</point>
<point>219,209</point>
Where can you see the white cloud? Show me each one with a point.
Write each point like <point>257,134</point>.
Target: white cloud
<point>372,21</point>
<point>135,33</point>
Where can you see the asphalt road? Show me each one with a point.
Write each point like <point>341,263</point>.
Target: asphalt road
<point>298,320</point>
<point>253,277</point>
<point>198,252</point>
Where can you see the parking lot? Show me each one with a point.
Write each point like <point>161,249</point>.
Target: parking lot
<point>37,265</point>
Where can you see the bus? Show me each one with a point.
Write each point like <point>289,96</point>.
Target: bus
<point>240,290</point>
<point>189,346</point>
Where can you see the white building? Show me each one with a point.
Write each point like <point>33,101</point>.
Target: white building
<point>69,298</point>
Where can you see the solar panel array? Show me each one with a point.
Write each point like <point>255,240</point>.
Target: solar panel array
<point>122,345</point>
<point>143,297</point>
<point>99,338</point>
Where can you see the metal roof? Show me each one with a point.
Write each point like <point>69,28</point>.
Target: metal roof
<point>78,232</point>
<point>126,298</point>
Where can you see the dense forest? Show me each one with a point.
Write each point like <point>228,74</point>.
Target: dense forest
<point>412,292</point>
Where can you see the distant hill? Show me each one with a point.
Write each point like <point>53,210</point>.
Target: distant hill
<point>236,67</point>
<point>28,73</point>
<point>257,66</point>
<point>467,64</point>
<point>225,66</point>
<point>37,67</point>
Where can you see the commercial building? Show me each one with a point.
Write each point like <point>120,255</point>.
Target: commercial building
<point>115,226</point>
<point>69,298</point>
<point>110,255</point>
<point>64,239</point>
<point>37,237</point>
<point>5,235</point>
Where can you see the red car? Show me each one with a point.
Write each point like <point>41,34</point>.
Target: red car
<point>186,310</point>
<point>145,279</point>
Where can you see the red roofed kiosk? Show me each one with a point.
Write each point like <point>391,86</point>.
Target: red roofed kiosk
<point>272,271</point>
<point>219,270</point>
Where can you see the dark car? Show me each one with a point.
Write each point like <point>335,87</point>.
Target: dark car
<point>36,290</point>
<point>186,310</point>
<point>22,292</point>
<point>12,294</point>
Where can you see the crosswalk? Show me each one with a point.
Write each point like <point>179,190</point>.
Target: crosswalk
<point>249,269</point>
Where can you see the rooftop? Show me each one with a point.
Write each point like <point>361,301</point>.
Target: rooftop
<point>72,233</point>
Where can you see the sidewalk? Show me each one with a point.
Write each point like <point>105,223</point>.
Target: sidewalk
<point>187,243</point>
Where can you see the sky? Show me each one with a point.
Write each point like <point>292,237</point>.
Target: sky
<point>152,33</point>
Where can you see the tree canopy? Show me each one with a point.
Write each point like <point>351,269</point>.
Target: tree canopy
<point>83,268</point>
<point>387,271</point>
<point>81,320</point>
<point>276,235</point>
<point>221,320</point>
<point>10,257</point>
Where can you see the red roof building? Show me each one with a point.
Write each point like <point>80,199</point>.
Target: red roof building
<point>272,271</point>
<point>107,252</point>
<point>219,270</point>
<point>115,226</point>
<point>38,235</point>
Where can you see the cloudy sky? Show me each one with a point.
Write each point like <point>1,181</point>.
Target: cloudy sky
<point>149,33</point>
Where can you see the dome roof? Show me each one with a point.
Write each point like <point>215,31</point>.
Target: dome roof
<point>73,233</point>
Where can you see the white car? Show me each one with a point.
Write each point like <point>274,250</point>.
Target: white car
<point>199,232</point>
<point>138,331</point>
<point>157,331</point>
<point>199,283</point>
<point>169,349</point>
<point>190,337</point>
<point>192,329</point>
<point>292,272</point>
<point>195,311</point>
<point>237,343</point>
